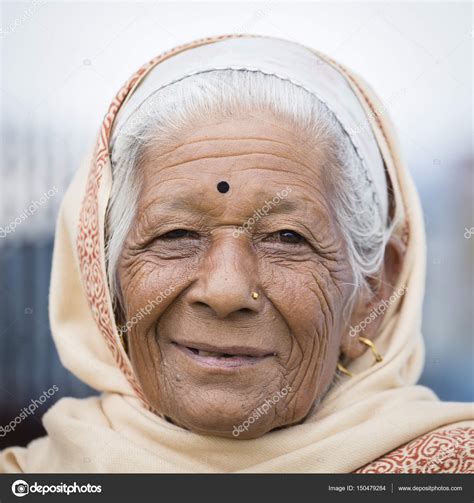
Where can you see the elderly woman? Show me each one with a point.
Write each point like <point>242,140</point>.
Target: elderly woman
<point>239,270</point>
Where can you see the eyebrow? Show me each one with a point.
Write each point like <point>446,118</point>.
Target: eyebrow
<point>285,205</point>
<point>282,206</point>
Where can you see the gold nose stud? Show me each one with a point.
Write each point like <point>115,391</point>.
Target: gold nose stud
<point>254,295</point>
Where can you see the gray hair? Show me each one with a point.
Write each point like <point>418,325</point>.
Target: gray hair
<point>231,93</point>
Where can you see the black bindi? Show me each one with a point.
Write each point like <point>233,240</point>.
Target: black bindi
<point>223,187</point>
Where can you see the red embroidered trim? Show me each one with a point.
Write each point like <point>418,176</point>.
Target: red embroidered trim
<point>444,451</point>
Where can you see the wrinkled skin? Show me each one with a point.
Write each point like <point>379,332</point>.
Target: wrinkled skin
<point>183,244</point>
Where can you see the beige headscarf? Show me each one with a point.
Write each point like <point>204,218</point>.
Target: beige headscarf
<point>359,420</point>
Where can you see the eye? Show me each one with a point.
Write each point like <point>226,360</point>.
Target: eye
<point>178,234</point>
<point>288,237</point>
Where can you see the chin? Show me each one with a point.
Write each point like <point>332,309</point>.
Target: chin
<point>225,427</point>
<point>226,415</point>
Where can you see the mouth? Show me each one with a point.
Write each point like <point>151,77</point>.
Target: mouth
<point>229,357</point>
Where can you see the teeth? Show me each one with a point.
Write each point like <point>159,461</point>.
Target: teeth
<point>208,353</point>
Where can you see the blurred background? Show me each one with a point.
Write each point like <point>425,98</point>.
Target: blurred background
<point>61,64</point>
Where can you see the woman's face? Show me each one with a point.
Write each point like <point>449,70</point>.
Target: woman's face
<point>207,354</point>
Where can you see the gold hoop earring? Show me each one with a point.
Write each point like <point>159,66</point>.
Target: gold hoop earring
<point>377,356</point>
<point>343,369</point>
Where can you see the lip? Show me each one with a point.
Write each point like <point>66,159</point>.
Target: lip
<point>236,356</point>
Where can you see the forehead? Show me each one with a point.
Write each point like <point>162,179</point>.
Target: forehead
<point>257,157</point>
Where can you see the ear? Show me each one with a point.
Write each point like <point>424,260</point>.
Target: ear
<point>372,302</point>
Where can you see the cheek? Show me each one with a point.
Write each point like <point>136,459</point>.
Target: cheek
<point>306,295</point>
<point>309,297</point>
<point>147,280</point>
<point>149,286</point>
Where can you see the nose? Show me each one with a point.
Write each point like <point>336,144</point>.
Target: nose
<point>226,279</point>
